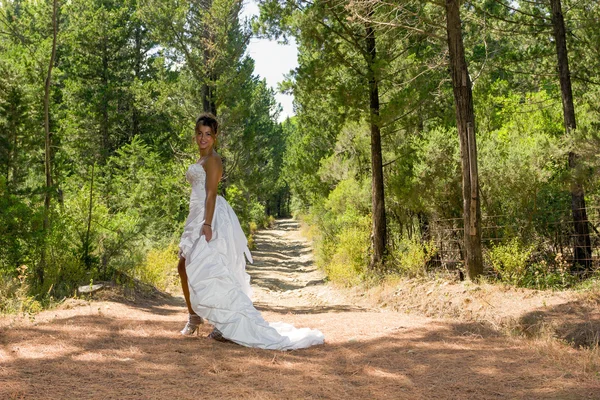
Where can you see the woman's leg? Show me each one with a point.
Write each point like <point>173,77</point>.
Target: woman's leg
<point>184,284</point>
<point>194,320</point>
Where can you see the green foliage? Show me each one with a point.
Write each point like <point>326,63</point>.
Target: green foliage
<point>14,293</point>
<point>250,212</point>
<point>426,176</point>
<point>63,271</point>
<point>541,276</point>
<point>350,258</point>
<point>522,156</point>
<point>159,268</point>
<point>343,228</point>
<point>519,264</point>
<point>134,178</point>
<point>410,257</point>
<point>300,161</point>
<point>510,260</point>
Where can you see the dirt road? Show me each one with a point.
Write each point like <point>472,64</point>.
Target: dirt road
<point>132,349</point>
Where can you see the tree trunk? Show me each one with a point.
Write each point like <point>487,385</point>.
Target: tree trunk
<point>87,260</point>
<point>424,227</point>
<point>47,150</point>
<point>104,123</point>
<point>465,121</point>
<point>12,150</point>
<point>210,77</point>
<point>582,246</point>
<point>135,115</point>
<point>208,95</point>
<point>378,199</point>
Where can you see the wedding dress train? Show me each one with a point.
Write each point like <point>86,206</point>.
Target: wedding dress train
<point>219,286</point>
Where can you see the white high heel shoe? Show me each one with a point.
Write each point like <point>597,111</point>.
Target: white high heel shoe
<point>191,327</point>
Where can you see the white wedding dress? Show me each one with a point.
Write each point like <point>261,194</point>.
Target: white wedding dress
<point>219,286</point>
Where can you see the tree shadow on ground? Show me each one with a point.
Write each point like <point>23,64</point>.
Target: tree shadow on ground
<point>287,225</point>
<point>308,309</point>
<point>274,284</point>
<point>281,252</point>
<point>132,350</point>
<point>284,267</point>
<point>105,356</point>
<point>152,301</point>
<point>577,322</point>
<point>269,282</point>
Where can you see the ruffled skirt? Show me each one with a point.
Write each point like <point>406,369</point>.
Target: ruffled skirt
<point>220,288</point>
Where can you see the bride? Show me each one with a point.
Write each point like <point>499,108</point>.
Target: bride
<point>212,267</point>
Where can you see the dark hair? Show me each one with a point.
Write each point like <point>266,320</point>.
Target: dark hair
<point>207,119</point>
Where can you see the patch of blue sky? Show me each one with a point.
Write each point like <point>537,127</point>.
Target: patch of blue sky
<point>272,61</point>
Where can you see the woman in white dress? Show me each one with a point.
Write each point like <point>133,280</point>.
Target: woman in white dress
<point>212,266</point>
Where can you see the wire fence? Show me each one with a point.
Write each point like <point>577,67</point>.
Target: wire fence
<point>550,236</point>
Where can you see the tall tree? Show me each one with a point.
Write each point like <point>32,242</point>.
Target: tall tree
<point>582,247</point>
<point>48,142</point>
<point>378,199</point>
<point>533,23</point>
<point>99,70</point>
<point>209,37</point>
<point>465,121</point>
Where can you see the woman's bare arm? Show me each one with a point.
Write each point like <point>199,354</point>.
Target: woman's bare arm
<point>214,169</point>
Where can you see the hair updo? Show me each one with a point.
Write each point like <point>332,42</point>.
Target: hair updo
<point>207,119</point>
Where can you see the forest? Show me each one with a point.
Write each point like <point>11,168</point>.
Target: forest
<point>429,137</point>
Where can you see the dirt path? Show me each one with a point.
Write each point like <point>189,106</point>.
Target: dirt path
<point>285,276</point>
<point>132,350</point>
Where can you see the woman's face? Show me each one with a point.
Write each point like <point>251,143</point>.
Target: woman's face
<point>205,137</point>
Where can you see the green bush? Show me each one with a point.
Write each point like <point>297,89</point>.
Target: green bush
<point>510,259</point>
<point>411,256</point>
<point>251,213</point>
<point>351,253</point>
<point>258,215</point>
<point>520,264</point>
<point>541,276</point>
<point>159,269</point>
<point>15,293</point>
<point>341,228</point>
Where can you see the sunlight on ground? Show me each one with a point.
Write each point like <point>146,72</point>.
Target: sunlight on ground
<point>132,350</point>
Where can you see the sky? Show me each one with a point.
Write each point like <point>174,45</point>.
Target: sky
<point>272,60</point>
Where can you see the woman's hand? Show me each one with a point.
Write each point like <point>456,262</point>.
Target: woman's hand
<point>207,232</point>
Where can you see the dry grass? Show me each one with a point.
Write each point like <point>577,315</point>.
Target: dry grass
<point>118,350</point>
<point>128,347</point>
<point>567,315</point>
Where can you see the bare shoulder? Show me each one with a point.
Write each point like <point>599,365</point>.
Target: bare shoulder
<point>213,163</point>
<point>214,160</point>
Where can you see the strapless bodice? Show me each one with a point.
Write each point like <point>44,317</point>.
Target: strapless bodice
<point>196,175</point>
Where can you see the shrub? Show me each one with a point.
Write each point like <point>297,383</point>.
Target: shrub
<point>540,276</point>
<point>258,214</point>
<point>510,259</point>
<point>411,256</point>
<point>14,292</point>
<point>159,269</point>
<point>340,229</point>
<point>351,254</point>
